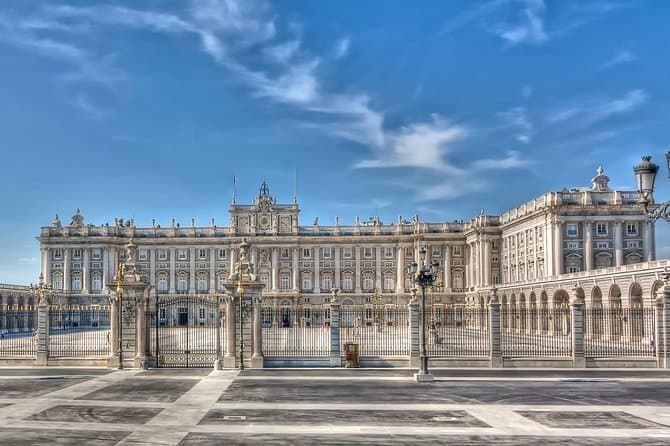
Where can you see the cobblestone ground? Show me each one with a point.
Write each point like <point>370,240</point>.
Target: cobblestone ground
<point>68,406</point>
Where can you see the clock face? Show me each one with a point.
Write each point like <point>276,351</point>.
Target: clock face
<point>264,221</point>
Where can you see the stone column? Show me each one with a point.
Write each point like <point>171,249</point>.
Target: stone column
<point>577,307</point>
<point>296,270</point>
<point>548,244</point>
<point>257,352</point>
<point>357,261</point>
<point>46,265</point>
<point>618,242</point>
<point>414,331</point>
<point>447,269</point>
<point>113,358</point>
<point>141,301</point>
<point>212,270</point>
<point>495,332</point>
<point>191,271</point>
<point>66,270</point>
<point>588,246</point>
<point>42,333</point>
<point>152,269</point>
<point>86,271</point>
<point>275,269</point>
<point>229,357</point>
<point>105,268</point>
<point>337,281</point>
<point>173,267</point>
<point>558,247</point>
<point>648,247</point>
<point>378,268</point>
<point>233,261</point>
<point>487,262</point>
<point>335,353</point>
<point>400,270</point>
<point>317,270</point>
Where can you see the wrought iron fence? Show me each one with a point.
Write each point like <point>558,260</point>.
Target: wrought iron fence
<point>457,331</point>
<point>381,330</point>
<point>536,332</point>
<point>298,332</point>
<point>18,331</point>
<point>79,332</point>
<point>619,332</point>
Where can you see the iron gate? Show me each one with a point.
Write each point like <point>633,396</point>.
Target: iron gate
<point>188,331</point>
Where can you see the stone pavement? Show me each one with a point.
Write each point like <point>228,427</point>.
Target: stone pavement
<point>69,406</point>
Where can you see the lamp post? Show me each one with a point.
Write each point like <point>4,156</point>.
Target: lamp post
<point>645,176</point>
<point>423,275</point>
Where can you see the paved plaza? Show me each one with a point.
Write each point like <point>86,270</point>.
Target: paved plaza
<point>323,406</point>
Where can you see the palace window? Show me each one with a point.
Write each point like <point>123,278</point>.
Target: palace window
<point>348,282</point>
<point>220,282</point>
<point>161,313</point>
<point>572,229</point>
<point>347,252</point>
<point>182,254</point>
<point>222,253</point>
<point>58,254</point>
<point>436,251</point>
<point>631,228</point>
<point>143,254</point>
<point>388,252</point>
<point>76,253</point>
<point>285,282</point>
<point>458,251</point>
<point>327,283</point>
<point>601,229</point>
<point>202,254</point>
<point>265,280</point>
<point>327,253</point>
<point>602,245</point>
<point>306,253</point>
<point>573,245</point>
<point>388,283</point>
<point>57,283</point>
<point>202,284</point>
<point>182,286</point>
<point>96,283</point>
<point>632,244</point>
<point>201,314</point>
<point>368,283</point>
<point>306,282</point>
<point>96,254</point>
<point>162,254</point>
<point>409,252</point>
<point>76,283</point>
<point>162,285</point>
<point>285,253</point>
<point>367,252</point>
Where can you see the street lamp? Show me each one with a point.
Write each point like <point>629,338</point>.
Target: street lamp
<point>423,275</point>
<point>645,176</point>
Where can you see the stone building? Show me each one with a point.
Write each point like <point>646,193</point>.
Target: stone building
<point>573,230</point>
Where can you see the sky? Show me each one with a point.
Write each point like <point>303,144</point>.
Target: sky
<point>145,109</point>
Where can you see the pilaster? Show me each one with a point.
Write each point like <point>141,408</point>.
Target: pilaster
<point>495,337</point>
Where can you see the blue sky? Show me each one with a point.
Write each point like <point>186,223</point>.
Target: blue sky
<point>144,109</point>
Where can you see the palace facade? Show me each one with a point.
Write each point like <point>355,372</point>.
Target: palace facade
<point>578,229</point>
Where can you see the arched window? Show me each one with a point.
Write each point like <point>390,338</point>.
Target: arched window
<point>306,282</point>
<point>348,282</point>
<point>388,282</point>
<point>368,282</point>
<point>182,285</point>
<point>162,284</point>
<point>202,283</point>
<point>327,282</point>
<point>76,282</point>
<point>96,283</point>
<point>57,282</point>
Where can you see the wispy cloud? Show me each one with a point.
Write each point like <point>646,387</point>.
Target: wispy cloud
<point>592,111</point>
<point>529,28</point>
<point>27,259</point>
<point>512,160</point>
<point>419,145</point>
<point>621,57</point>
<point>519,22</point>
<point>517,118</point>
<point>342,48</point>
<point>83,103</point>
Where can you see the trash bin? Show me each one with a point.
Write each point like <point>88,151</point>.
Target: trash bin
<point>351,352</point>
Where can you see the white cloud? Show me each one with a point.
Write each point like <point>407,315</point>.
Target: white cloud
<point>517,118</point>
<point>453,187</point>
<point>592,111</point>
<point>342,48</point>
<point>526,91</point>
<point>510,161</point>
<point>83,103</point>
<point>419,145</point>
<point>529,29</point>
<point>621,57</point>
<point>283,52</point>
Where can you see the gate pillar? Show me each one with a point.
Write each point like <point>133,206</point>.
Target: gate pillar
<point>229,357</point>
<point>257,356</point>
